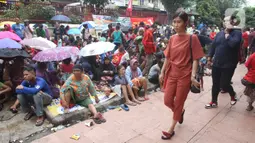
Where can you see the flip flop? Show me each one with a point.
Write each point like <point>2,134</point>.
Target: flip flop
<point>39,122</point>
<point>124,107</point>
<point>29,116</point>
<point>13,110</point>
<point>146,98</point>
<point>97,120</point>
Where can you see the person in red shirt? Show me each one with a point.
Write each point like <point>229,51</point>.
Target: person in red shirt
<point>245,36</point>
<point>66,69</point>
<point>213,34</point>
<point>149,48</point>
<point>249,81</point>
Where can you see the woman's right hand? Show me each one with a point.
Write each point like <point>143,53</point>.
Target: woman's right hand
<point>161,77</point>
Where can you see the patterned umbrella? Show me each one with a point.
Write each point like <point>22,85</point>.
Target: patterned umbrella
<point>10,35</point>
<point>39,43</point>
<point>9,43</point>
<point>62,18</point>
<point>56,54</point>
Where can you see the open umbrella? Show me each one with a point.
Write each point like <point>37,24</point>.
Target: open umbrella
<point>91,24</point>
<point>74,31</point>
<point>97,48</point>
<point>57,54</point>
<point>9,43</point>
<point>6,22</point>
<point>62,18</point>
<point>10,35</point>
<point>39,43</point>
<point>12,53</point>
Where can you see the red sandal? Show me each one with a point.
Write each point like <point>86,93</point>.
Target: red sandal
<point>167,136</point>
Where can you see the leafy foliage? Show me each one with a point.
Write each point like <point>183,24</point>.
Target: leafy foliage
<point>172,6</point>
<point>250,16</point>
<point>208,12</point>
<point>31,11</point>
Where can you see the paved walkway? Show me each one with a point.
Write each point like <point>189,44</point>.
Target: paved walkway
<point>144,123</point>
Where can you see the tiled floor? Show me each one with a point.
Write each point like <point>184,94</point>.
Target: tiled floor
<point>144,123</point>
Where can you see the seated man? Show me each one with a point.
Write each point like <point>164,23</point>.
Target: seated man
<point>33,90</point>
<point>77,89</point>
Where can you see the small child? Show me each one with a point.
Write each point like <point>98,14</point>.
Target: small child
<point>200,72</point>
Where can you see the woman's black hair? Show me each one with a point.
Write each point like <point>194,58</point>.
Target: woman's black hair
<point>119,67</point>
<point>67,61</point>
<point>183,15</point>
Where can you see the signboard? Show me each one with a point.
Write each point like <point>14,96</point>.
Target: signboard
<point>102,21</point>
<point>147,21</point>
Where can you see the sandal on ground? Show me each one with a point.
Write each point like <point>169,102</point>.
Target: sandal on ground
<point>97,120</point>
<point>14,110</point>
<point>167,136</point>
<point>40,121</point>
<point>182,117</point>
<point>211,105</point>
<point>146,98</point>
<point>130,103</point>
<point>124,107</point>
<point>29,115</point>
<point>249,108</point>
<point>103,120</point>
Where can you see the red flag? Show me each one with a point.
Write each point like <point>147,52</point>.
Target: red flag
<point>129,8</point>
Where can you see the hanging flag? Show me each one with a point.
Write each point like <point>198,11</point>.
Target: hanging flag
<point>129,8</point>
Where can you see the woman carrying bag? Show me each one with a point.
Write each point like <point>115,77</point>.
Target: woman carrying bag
<point>179,69</point>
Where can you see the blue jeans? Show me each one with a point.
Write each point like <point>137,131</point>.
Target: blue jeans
<point>39,100</point>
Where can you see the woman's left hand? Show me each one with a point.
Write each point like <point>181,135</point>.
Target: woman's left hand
<point>195,82</point>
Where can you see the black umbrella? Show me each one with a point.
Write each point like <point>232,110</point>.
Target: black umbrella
<point>12,53</point>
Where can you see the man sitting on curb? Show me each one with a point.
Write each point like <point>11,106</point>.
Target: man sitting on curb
<point>33,90</point>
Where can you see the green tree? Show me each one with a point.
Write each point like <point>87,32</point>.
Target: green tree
<point>250,16</point>
<point>208,12</point>
<point>32,11</point>
<point>172,5</point>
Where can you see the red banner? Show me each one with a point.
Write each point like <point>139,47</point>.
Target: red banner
<point>147,21</point>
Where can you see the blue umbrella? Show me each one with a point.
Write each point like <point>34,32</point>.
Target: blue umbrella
<point>90,24</point>
<point>74,31</point>
<point>9,43</point>
<point>61,18</point>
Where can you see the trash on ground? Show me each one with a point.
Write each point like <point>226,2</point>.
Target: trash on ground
<point>60,127</point>
<point>75,137</point>
<point>89,123</point>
